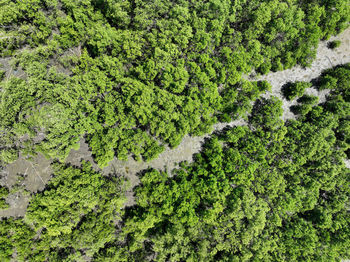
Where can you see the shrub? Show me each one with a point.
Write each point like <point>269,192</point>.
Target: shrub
<point>293,90</point>
<point>334,44</point>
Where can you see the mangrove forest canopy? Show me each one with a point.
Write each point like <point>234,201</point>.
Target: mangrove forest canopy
<point>131,78</point>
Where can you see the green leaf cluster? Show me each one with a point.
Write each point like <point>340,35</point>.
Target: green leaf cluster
<point>3,195</point>
<point>296,89</point>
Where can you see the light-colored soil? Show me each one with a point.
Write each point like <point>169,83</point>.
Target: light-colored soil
<point>347,164</point>
<point>39,172</point>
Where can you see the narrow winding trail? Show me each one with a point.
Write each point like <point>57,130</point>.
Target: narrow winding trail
<point>169,159</point>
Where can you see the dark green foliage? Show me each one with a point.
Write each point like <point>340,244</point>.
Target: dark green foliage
<point>15,236</point>
<point>338,101</point>
<point>301,109</point>
<point>235,103</point>
<point>334,44</point>
<point>293,90</point>
<point>3,195</point>
<point>339,83</point>
<point>305,106</point>
<point>308,100</point>
<point>134,76</point>
<point>266,113</point>
<point>2,75</point>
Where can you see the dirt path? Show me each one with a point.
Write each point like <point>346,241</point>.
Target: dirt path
<point>169,159</point>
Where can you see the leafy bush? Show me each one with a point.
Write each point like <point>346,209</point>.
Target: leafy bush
<point>334,44</point>
<point>302,109</point>
<point>305,106</point>
<point>3,195</point>
<point>267,113</point>
<point>293,90</point>
<point>308,100</point>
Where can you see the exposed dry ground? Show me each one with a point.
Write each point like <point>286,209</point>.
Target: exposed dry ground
<point>39,172</point>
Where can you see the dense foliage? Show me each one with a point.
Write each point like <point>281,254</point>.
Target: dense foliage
<point>305,105</point>
<point>3,194</point>
<point>70,220</point>
<point>134,76</point>
<point>14,235</point>
<point>296,89</point>
<point>269,191</point>
<point>131,77</point>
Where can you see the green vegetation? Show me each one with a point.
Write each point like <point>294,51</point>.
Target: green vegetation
<point>15,236</point>
<point>293,90</point>
<point>3,195</point>
<point>305,105</point>
<point>269,191</point>
<point>274,194</point>
<point>72,218</point>
<point>2,74</point>
<point>334,44</point>
<point>272,191</point>
<point>79,192</point>
<point>134,76</point>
